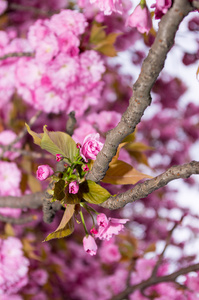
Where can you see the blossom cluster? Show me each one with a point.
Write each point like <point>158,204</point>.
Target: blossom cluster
<point>59,78</point>
<point>10,185</point>
<point>107,228</point>
<point>13,267</point>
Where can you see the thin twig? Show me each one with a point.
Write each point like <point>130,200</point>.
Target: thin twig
<point>20,135</point>
<point>32,9</point>
<point>70,125</point>
<point>17,54</point>
<point>18,221</point>
<point>155,280</point>
<point>167,242</point>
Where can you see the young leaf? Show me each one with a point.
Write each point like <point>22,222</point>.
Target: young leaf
<point>120,172</point>
<point>36,136</point>
<point>59,190</point>
<point>57,142</point>
<point>66,227</point>
<point>93,192</point>
<point>72,198</point>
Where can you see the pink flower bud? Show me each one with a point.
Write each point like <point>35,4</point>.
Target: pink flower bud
<point>93,231</point>
<point>43,172</point>
<point>73,187</point>
<point>89,245</point>
<point>59,157</point>
<point>78,145</point>
<point>85,168</point>
<point>91,146</point>
<point>141,19</point>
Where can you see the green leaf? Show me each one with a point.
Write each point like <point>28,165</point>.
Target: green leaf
<point>57,142</point>
<point>93,192</point>
<point>138,147</point>
<point>72,198</point>
<point>120,172</point>
<point>36,136</point>
<point>59,190</point>
<point>103,42</point>
<point>97,33</point>
<point>66,227</point>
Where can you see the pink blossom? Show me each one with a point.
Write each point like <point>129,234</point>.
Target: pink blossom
<point>68,20</point>
<point>141,19</point>
<point>83,130</point>
<point>59,157</point>
<point>92,67</point>
<point>73,187</point>
<point>40,276</point>
<point>161,7</point>
<point>13,267</point>
<point>109,226</point>
<point>3,6</point>
<point>90,245</point>
<point>91,147</point>
<point>43,172</point>
<point>109,252</point>
<point>85,168</point>
<point>108,6</point>
<point>10,178</point>
<point>110,120</point>
<point>6,138</point>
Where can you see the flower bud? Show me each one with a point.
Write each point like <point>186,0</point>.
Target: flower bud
<point>73,187</point>
<point>43,172</point>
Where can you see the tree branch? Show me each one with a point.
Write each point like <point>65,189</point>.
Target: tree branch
<point>141,190</point>
<point>141,98</point>
<point>155,280</point>
<point>17,54</point>
<point>27,201</point>
<point>18,221</point>
<point>19,137</point>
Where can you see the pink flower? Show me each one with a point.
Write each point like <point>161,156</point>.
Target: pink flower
<point>59,157</point>
<point>91,147</point>
<point>141,19</point>
<point>43,172</point>
<point>3,6</point>
<point>109,252</point>
<point>13,268</point>
<point>108,6</point>
<point>109,226</point>
<point>6,138</point>
<point>85,168</point>
<point>161,7</point>
<point>73,187</point>
<point>89,245</point>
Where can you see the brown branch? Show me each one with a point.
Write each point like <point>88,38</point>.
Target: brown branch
<point>17,54</point>
<point>19,137</point>
<point>36,11</point>
<point>32,154</point>
<point>141,190</point>
<point>141,98</point>
<point>27,201</point>
<point>155,280</point>
<point>18,221</point>
<point>168,239</point>
<point>195,4</point>
<point>70,125</point>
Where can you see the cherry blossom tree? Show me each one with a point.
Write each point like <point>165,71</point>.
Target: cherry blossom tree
<point>76,150</point>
